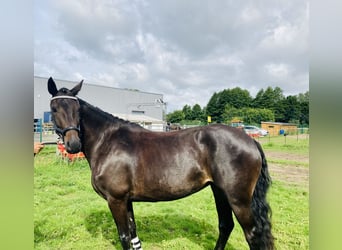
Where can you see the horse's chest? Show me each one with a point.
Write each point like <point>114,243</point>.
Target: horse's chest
<point>111,180</point>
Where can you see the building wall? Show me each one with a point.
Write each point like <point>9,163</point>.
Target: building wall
<point>111,100</point>
<point>274,128</point>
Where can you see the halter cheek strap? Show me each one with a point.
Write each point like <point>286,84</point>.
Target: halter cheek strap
<point>63,131</point>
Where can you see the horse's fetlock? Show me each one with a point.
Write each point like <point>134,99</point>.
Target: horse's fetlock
<point>136,244</point>
<point>125,239</point>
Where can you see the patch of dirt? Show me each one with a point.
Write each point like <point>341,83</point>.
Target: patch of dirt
<point>287,156</point>
<point>293,174</point>
<point>289,174</point>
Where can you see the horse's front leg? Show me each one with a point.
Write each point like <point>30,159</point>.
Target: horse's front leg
<point>120,215</point>
<point>135,239</point>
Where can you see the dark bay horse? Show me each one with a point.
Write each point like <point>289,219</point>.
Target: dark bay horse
<point>129,163</point>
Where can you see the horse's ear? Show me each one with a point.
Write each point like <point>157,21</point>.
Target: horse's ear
<point>77,88</point>
<point>52,87</point>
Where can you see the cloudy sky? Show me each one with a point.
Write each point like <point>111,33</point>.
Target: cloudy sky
<point>185,50</point>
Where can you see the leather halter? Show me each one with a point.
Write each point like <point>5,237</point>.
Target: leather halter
<point>58,130</point>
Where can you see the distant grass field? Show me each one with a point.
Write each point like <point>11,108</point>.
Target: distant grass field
<point>68,214</point>
<point>291,143</point>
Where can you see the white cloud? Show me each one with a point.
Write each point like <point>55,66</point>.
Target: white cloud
<point>280,71</point>
<point>285,36</point>
<point>185,50</point>
<point>250,14</point>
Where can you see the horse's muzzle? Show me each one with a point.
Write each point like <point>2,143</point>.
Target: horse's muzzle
<point>73,145</point>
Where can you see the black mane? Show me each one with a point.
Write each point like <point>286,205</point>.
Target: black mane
<point>107,117</point>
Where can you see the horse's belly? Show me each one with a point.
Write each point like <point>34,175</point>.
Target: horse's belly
<point>170,188</point>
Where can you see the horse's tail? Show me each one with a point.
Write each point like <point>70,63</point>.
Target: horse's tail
<point>260,207</point>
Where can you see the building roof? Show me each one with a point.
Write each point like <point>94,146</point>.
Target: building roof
<point>138,118</point>
<point>281,123</point>
<point>111,100</point>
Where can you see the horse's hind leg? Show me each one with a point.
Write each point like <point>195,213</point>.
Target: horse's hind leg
<point>224,212</point>
<point>254,238</point>
<point>253,220</point>
<point>254,234</point>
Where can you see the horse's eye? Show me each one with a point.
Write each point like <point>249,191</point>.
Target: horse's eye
<point>54,110</point>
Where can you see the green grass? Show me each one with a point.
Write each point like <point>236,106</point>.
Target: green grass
<point>290,144</point>
<point>286,144</point>
<point>288,162</point>
<point>68,214</point>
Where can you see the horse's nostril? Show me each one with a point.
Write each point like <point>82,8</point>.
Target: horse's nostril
<point>73,146</point>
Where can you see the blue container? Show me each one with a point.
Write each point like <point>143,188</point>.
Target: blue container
<point>47,116</point>
<point>282,131</point>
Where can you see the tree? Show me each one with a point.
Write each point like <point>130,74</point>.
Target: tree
<point>239,98</point>
<point>258,101</point>
<point>271,99</point>
<point>187,112</point>
<point>248,115</point>
<point>303,97</point>
<point>292,109</point>
<point>256,116</point>
<point>175,117</point>
<point>197,113</point>
<point>268,98</point>
<point>236,98</point>
<point>230,113</point>
<point>268,105</point>
<point>213,108</point>
<point>303,100</point>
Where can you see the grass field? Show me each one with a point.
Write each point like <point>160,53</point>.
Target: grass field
<point>291,143</point>
<point>68,214</point>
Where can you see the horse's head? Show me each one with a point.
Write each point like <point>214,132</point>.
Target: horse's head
<point>65,115</point>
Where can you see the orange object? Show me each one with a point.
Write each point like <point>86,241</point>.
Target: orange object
<point>65,154</point>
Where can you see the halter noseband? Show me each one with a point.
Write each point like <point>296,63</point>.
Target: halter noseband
<point>63,131</point>
<point>60,131</point>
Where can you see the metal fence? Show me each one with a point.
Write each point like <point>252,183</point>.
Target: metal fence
<point>43,132</point>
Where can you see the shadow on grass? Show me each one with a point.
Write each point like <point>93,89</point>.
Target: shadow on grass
<point>42,235</point>
<point>156,228</point>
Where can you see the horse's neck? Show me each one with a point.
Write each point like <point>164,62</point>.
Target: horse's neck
<point>92,124</point>
<point>91,119</point>
<point>95,123</point>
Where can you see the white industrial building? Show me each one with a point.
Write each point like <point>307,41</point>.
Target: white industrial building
<point>146,109</point>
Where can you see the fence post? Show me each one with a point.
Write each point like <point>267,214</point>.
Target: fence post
<point>40,130</point>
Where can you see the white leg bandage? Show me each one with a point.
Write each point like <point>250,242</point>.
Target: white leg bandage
<point>136,243</point>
